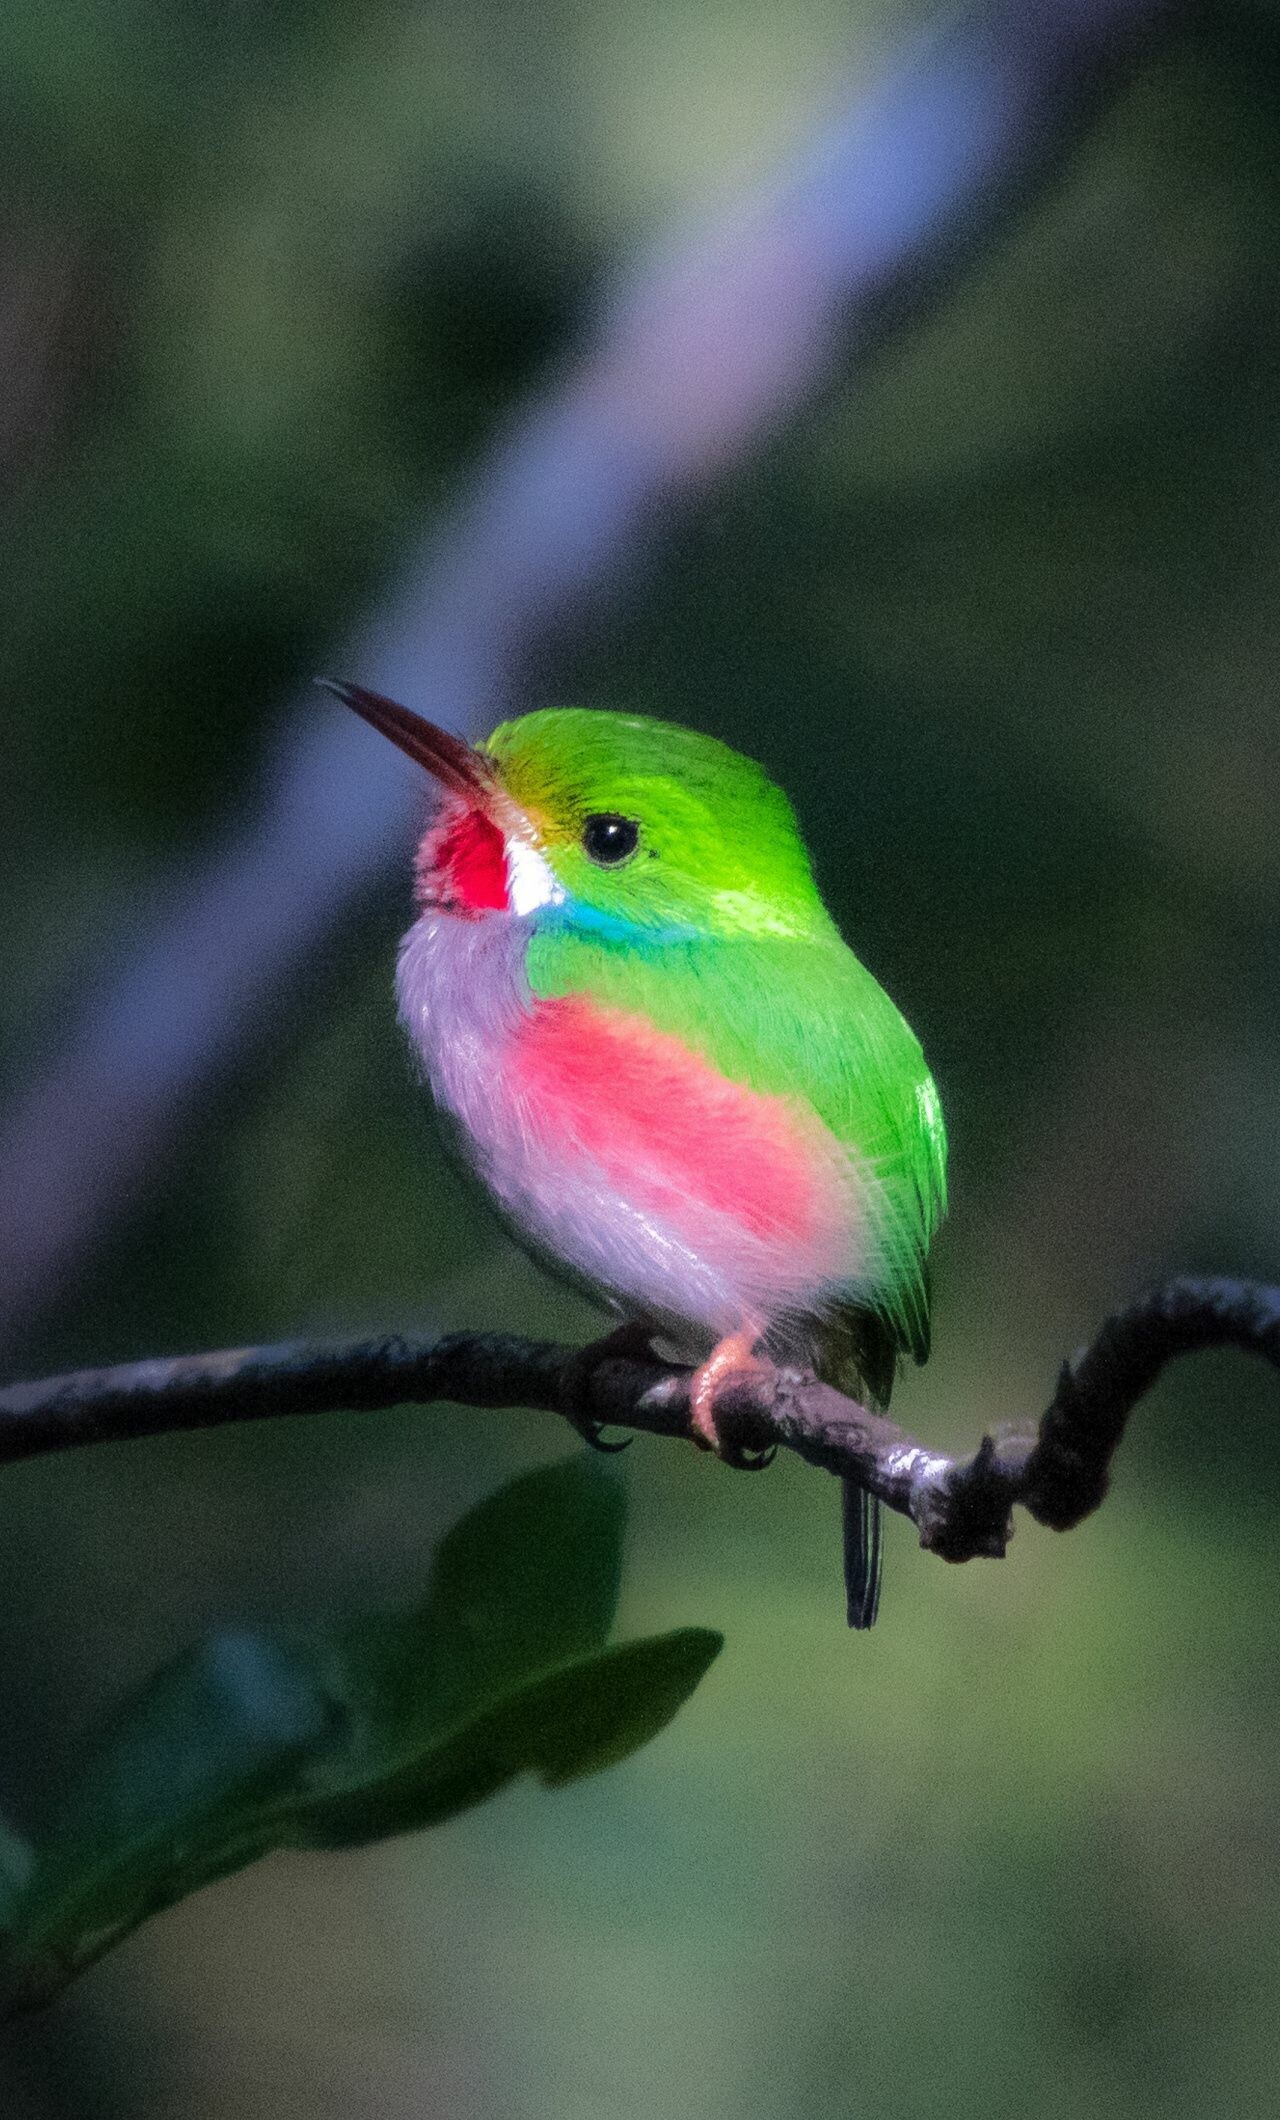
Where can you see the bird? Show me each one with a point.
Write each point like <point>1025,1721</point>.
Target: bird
<point>646,1036</point>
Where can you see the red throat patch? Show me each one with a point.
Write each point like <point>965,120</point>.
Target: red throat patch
<point>462,865</point>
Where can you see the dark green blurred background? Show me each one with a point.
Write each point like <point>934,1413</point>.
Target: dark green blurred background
<point>1001,610</point>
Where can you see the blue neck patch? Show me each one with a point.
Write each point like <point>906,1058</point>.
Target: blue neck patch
<point>573,916</point>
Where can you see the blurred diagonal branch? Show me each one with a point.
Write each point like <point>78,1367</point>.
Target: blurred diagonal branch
<point>961,1506</point>
<point>704,348</point>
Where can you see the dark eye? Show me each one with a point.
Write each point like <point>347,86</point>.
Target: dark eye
<point>609,840</point>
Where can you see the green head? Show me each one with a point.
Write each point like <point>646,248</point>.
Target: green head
<point>653,827</point>
<point>611,823</point>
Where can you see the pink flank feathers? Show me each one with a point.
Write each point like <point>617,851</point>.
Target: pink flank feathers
<point>612,1149</point>
<point>661,1123</point>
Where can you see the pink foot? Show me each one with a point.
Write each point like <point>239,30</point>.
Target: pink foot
<point>732,1361</point>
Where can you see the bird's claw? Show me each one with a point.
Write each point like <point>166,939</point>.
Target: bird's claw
<point>575,1383</point>
<point>592,1433</point>
<point>740,1459</point>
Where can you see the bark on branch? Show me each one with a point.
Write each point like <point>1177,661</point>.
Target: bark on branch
<point>962,1507</point>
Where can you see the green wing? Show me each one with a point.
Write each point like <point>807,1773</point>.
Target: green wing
<point>853,1056</point>
<point>801,1017</point>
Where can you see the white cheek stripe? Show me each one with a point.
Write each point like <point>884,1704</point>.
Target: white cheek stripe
<point>530,882</point>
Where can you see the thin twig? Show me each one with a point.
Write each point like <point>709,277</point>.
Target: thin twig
<point>961,1506</point>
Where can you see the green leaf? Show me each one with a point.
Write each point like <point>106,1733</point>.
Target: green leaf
<point>381,1725</point>
<point>527,1579</point>
<point>171,1796</point>
<point>586,1715</point>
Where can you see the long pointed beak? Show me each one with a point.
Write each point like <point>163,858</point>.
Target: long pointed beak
<point>455,764</point>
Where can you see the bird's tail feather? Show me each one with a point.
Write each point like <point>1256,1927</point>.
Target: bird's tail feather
<point>863,1553</point>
